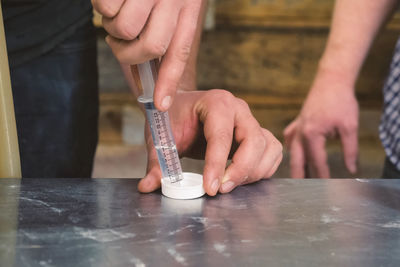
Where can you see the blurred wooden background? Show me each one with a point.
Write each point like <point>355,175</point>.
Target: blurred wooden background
<point>267,51</point>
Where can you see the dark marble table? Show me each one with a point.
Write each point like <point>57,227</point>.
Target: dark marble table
<point>283,222</point>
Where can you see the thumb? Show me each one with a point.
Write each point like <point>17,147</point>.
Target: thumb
<point>152,180</point>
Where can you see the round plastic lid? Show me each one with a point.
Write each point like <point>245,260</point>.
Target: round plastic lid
<point>190,187</point>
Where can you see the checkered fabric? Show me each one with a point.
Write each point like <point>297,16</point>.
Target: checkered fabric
<point>389,129</point>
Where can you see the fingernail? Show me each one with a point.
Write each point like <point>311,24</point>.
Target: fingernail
<point>215,186</point>
<point>227,186</point>
<point>166,102</point>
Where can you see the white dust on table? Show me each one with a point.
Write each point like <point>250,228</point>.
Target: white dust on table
<point>207,224</point>
<point>103,235</point>
<point>46,263</point>
<point>221,249</point>
<point>394,224</point>
<point>137,262</point>
<point>202,220</point>
<point>42,203</point>
<point>336,209</point>
<point>177,256</point>
<point>326,218</point>
<point>181,229</point>
<point>318,238</point>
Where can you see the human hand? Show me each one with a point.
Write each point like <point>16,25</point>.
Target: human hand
<point>330,109</point>
<point>141,30</point>
<point>214,124</point>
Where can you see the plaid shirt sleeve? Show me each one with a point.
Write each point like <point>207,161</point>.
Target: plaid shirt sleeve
<point>389,129</point>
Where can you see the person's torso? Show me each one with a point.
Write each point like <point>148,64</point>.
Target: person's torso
<point>34,27</point>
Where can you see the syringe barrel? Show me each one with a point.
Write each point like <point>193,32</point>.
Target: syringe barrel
<point>164,142</point>
<point>148,76</point>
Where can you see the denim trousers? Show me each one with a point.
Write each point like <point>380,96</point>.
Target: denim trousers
<point>56,108</point>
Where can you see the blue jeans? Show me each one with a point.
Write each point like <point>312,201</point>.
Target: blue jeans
<point>56,106</point>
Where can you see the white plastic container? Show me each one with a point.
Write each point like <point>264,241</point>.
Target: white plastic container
<point>189,188</point>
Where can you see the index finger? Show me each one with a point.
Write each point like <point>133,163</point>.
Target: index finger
<point>218,131</point>
<point>316,156</point>
<point>297,158</point>
<point>175,59</point>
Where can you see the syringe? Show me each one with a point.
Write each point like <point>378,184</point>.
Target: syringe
<point>160,127</point>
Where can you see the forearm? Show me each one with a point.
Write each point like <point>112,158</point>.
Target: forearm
<point>354,27</point>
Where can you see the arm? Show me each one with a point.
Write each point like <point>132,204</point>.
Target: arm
<point>331,107</point>
<point>212,125</point>
<point>354,27</point>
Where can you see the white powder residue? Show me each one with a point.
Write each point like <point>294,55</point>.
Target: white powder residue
<point>202,220</point>
<point>320,237</point>
<point>335,208</point>
<point>181,229</point>
<point>221,248</point>
<point>178,257</point>
<point>391,225</point>
<point>39,202</point>
<point>326,218</point>
<point>104,235</point>
<point>138,262</point>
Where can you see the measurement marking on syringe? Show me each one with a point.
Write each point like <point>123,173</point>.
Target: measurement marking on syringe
<point>163,139</point>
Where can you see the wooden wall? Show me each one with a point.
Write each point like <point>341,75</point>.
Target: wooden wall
<point>267,51</point>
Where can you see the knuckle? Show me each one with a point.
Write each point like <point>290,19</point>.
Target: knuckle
<point>286,133</point>
<point>350,126</point>
<point>243,104</point>
<point>276,143</point>
<point>243,170</point>
<point>224,138</point>
<point>309,130</point>
<point>277,146</point>
<point>215,165</point>
<point>223,97</point>
<point>105,8</point>
<point>274,168</point>
<point>126,30</point>
<point>183,52</point>
<point>259,141</point>
<point>155,49</point>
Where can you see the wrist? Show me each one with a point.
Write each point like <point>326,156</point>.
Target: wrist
<point>339,62</point>
<point>337,73</point>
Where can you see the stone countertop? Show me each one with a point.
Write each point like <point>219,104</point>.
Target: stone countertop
<point>278,222</point>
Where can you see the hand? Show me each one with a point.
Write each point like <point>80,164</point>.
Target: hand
<point>214,124</point>
<point>330,109</point>
<point>141,30</point>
